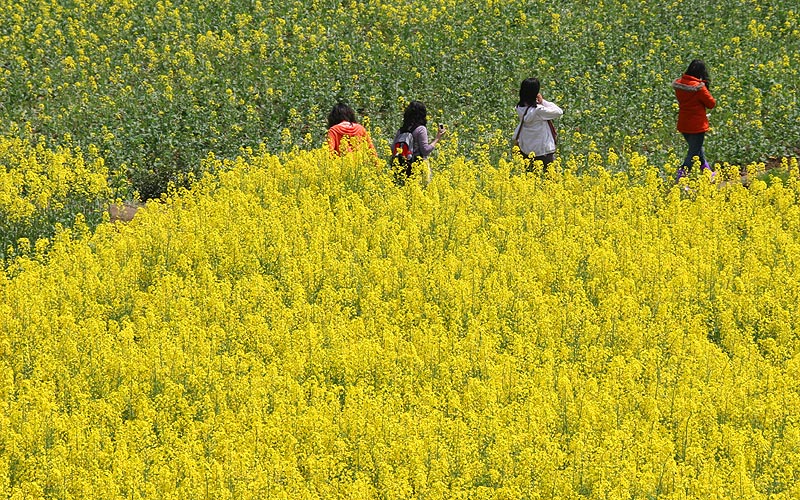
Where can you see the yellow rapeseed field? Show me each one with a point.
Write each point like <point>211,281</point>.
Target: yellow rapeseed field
<point>42,189</point>
<point>279,323</point>
<point>297,326</point>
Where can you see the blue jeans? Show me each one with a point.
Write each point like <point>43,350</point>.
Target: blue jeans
<point>695,142</point>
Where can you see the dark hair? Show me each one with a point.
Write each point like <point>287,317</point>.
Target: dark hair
<point>341,113</point>
<point>528,90</point>
<point>415,115</point>
<point>697,69</point>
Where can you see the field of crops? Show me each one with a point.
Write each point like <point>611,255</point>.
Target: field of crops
<point>280,323</point>
<point>299,327</point>
<point>155,85</point>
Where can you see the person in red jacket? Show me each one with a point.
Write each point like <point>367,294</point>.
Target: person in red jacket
<point>344,131</point>
<point>694,97</point>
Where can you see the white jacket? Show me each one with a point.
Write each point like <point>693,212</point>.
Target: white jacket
<point>536,136</point>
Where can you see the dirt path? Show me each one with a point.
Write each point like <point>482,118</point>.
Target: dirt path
<point>124,212</point>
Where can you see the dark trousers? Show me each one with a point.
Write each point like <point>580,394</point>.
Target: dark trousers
<point>695,142</point>
<point>545,159</point>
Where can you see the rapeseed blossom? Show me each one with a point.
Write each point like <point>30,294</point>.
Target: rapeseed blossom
<point>285,324</point>
<point>42,188</point>
<point>298,326</point>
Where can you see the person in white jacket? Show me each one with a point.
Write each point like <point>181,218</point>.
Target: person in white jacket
<point>535,134</point>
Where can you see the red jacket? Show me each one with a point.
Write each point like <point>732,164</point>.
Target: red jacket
<point>352,132</point>
<point>693,99</point>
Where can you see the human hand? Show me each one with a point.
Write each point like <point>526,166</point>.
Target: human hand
<point>539,98</point>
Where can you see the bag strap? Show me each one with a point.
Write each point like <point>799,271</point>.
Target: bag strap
<point>519,128</point>
<point>549,124</point>
<point>553,131</point>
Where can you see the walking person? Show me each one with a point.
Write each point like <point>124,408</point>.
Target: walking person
<point>535,135</point>
<point>694,97</point>
<point>344,132</point>
<point>411,145</point>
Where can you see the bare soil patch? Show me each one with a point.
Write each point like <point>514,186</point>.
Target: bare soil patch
<point>123,212</point>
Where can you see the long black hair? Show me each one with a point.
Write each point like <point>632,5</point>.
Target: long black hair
<point>341,113</point>
<point>415,115</point>
<point>697,69</point>
<point>528,91</point>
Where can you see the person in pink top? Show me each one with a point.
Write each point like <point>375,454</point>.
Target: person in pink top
<point>415,121</point>
<point>344,132</point>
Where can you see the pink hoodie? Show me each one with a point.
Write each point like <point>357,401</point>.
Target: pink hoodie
<point>352,132</point>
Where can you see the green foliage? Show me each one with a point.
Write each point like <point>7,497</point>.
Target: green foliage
<point>157,85</point>
<point>42,190</point>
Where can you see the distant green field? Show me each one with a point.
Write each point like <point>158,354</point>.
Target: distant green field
<point>157,85</point>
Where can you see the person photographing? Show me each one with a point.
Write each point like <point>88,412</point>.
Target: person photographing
<point>535,135</point>
<point>411,143</point>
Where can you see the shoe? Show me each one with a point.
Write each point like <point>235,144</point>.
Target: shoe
<point>705,166</point>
